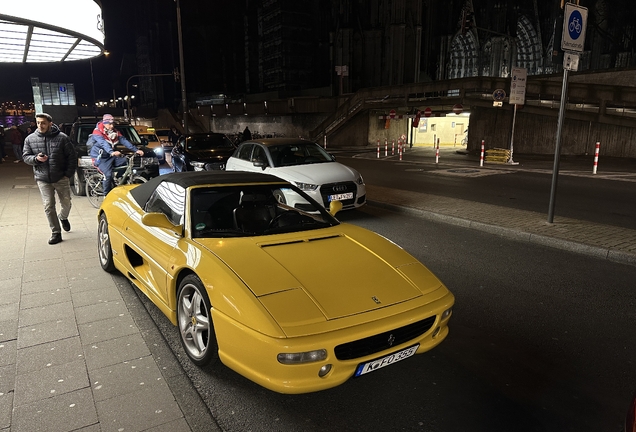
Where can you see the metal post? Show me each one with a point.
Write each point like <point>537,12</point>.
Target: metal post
<point>93,84</point>
<point>598,146</point>
<point>557,149</point>
<point>512,135</point>
<point>184,100</point>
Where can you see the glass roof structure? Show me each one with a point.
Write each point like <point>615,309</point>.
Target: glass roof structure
<point>42,31</point>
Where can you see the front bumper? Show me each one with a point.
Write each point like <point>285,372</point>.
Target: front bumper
<point>254,355</point>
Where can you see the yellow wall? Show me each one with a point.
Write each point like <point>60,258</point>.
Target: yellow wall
<point>449,130</point>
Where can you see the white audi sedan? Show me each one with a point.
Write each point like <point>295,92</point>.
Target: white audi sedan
<point>305,164</point>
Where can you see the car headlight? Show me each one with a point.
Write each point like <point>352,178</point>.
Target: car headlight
<point>359,180</point>
<point>306,186</point>
<point>158,151</point>
<point>302,357</point>
<point>152,160</point>
<point>198,166</point>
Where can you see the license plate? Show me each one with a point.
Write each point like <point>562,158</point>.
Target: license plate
<point>374,365</point>
<point>340,197</point>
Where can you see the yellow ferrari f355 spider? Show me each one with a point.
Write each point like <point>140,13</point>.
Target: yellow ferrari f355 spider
<point>292,299</point>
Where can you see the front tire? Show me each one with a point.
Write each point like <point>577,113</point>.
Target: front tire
<point>78,185</point>
<point>195,321</point>
<point>104,249</point>
<point>95,189</point>
<point>138,179</point>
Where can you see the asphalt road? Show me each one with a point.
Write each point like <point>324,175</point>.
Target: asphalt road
<point>596,199</point>
<point>540,340</point>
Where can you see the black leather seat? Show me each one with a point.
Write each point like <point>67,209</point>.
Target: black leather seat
<point>253,213</point>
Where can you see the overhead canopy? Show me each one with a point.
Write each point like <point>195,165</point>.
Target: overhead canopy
<point>43,31</point>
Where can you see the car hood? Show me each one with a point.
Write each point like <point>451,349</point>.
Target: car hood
<point>326,274</point>
<point>319,173</point>
<point>209,155</point>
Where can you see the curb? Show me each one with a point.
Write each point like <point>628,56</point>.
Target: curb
<point>514,234</point>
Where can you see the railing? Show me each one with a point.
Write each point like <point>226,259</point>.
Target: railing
<point>543,92</point>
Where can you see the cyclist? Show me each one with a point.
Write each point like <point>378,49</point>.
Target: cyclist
<point>104,138</point>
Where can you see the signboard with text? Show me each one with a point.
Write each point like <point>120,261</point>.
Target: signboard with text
<point>518,86</point>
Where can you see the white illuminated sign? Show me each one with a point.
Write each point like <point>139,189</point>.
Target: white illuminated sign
<point>45,31</point>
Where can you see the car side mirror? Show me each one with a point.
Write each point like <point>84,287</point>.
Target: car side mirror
<point>334,207</point>
<point>160,220</point>
<point>144,141</point>
<point>333,156</point>
<point>261,164</point>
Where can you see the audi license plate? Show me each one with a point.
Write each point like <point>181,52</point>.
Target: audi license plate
<point>374,365</point>
<point>340,197</point>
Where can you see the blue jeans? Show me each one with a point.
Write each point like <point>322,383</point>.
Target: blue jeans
<point>17,151</point>
<point>48,190</point>
<point>106,167</point>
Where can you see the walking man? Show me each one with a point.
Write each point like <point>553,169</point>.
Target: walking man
<point>54,162</point>
<point>104,138</point>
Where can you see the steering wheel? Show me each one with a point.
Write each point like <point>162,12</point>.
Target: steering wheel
<point>290,217</point>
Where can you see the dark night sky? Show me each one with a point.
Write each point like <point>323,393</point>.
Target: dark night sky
<point>15,78</point>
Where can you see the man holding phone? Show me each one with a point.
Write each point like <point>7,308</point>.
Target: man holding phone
<point>54,161</point>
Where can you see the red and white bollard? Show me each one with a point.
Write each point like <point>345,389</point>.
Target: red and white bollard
<point>481,156</point>
<point>386,147</point>
<point>437,152</point>
<point>598,146</point>
<point>400,149</point>
<point>393,148</point>
<point>325,144</point>
<point>378,149</point>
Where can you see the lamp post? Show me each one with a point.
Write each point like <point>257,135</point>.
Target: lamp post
<point>128,97</point>
<point>93,84</point>
<point>184,101</point>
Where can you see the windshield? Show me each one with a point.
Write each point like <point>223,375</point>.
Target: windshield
<point>130,134</point>
<point>298,154</point>
<point>150,137</point>
<point>208,142</point>
<point>241,211</point>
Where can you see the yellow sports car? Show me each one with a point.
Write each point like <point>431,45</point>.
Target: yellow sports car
<point>293,300</point>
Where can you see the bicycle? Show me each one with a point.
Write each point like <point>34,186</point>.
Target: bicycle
<point>121,175</point>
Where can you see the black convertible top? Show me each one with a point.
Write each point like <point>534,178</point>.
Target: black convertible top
<point>142,193</point>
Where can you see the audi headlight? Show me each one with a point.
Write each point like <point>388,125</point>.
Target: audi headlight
<point>198,166</point>
<point>302,357</point>
<point>359,180</point>
<point>306,186</point>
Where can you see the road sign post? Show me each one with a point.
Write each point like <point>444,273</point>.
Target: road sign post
<point>517,97</point>
<point>573,40</point>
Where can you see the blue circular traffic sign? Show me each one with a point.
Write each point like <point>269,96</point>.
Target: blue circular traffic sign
<point>575,24</point>
<point>499,95</point>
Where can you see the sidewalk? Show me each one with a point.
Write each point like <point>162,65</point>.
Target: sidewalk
<point>71,355</point>
<point>77,352</point>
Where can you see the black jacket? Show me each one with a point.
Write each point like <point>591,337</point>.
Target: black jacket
<point>62,157</point>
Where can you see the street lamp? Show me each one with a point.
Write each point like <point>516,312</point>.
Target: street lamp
<point>184,101</point>
<point>106,53</point>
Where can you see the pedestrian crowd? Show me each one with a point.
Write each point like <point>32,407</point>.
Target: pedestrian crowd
<point>14,136</point>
